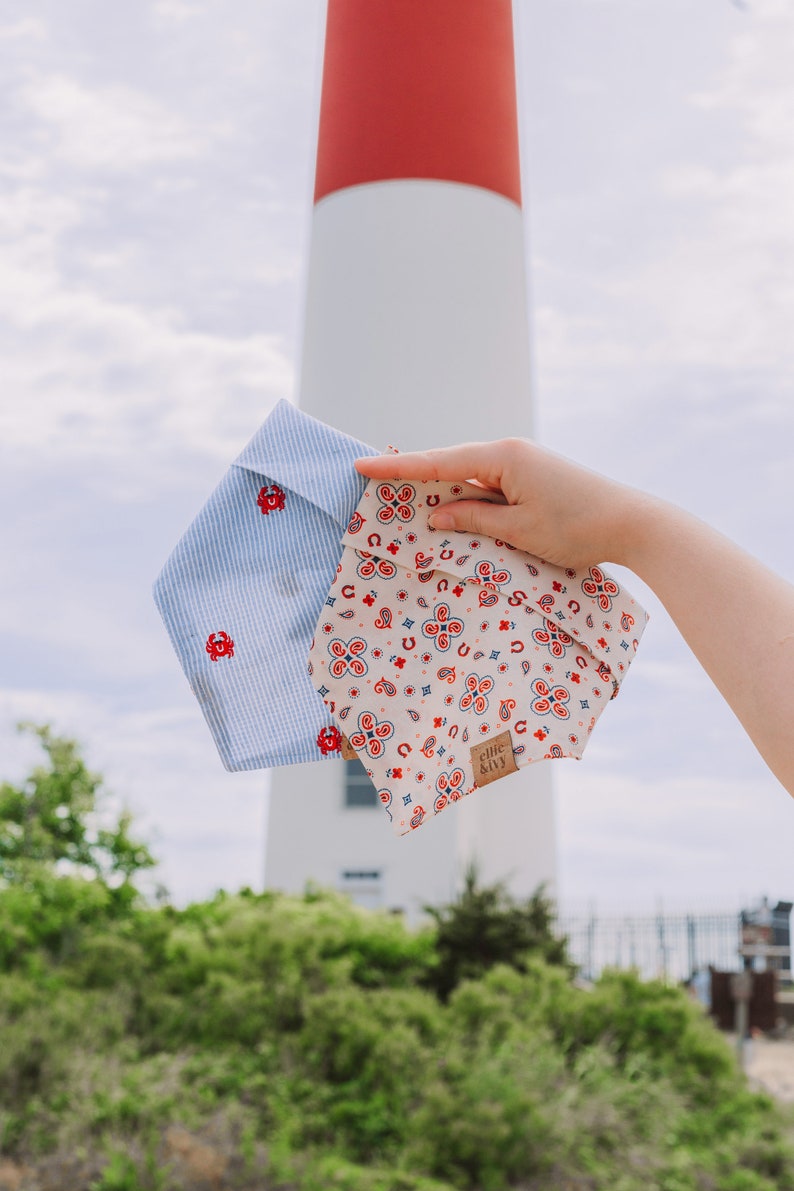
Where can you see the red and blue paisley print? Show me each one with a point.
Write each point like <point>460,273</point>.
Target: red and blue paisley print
<point>451,641</point>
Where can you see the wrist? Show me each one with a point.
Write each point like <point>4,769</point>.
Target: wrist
<point>637,519</point>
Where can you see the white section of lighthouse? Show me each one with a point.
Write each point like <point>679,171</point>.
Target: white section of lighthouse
<point>416,335</point>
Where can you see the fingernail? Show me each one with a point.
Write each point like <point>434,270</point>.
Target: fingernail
<point>441,521</point>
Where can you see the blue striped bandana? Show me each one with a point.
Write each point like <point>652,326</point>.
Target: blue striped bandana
<point>241,593</point>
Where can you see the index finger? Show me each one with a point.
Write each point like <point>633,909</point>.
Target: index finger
<point>470,461</point>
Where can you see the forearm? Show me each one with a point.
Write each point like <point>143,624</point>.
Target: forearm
<point>735,614</point>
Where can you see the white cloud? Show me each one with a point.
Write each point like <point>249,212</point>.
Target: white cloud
<point>109,376</point>
<point>28,27</point>
<point>725,292</point>
<point>679,252</point>
<point>630,839</point>
<point>175,12</point>
<point>206,826</point>
<point>111,128</point>
<point>92,366</point>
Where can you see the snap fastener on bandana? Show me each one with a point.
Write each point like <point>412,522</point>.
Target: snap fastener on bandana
<point>450,660</point>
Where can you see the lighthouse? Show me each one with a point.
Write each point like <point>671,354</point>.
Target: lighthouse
<point>415,335</point>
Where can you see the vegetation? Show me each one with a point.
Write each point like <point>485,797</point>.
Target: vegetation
<point>264,1041</point>
<point>485,927</point>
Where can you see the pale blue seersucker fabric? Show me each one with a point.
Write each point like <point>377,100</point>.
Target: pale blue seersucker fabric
<point>256,565</point>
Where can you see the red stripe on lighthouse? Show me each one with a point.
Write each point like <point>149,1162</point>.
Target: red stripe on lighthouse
<point>419,89</point>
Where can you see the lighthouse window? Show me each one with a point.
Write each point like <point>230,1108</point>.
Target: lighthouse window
<point>364,886</point>
<point>359,790</point>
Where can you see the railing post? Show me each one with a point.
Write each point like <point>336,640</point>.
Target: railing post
<point>690,942</point>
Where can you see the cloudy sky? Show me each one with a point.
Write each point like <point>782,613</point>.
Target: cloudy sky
<point>155,186</point>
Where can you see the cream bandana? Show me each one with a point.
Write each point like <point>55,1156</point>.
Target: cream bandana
<point>449,660</point>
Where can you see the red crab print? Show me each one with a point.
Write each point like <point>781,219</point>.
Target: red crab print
<point>219,645</point>
<point>329,740</point>
<point>271,500</point>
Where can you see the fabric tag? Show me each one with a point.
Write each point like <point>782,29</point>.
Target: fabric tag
<point>348,752</point>
<point>493,759</point>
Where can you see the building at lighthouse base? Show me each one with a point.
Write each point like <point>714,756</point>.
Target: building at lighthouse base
<point>327,828</point>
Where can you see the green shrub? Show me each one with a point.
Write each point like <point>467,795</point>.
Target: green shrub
<point>318,1045</point>
<point>486,926</point>
<point>120,1174</point>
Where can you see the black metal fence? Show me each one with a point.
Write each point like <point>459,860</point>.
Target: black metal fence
<point>669,946</point>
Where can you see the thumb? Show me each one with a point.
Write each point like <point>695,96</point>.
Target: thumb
<point>492,520</point>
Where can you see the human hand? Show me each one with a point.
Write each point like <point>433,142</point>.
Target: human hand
<point>535,500</point>
<point>574,518</point>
